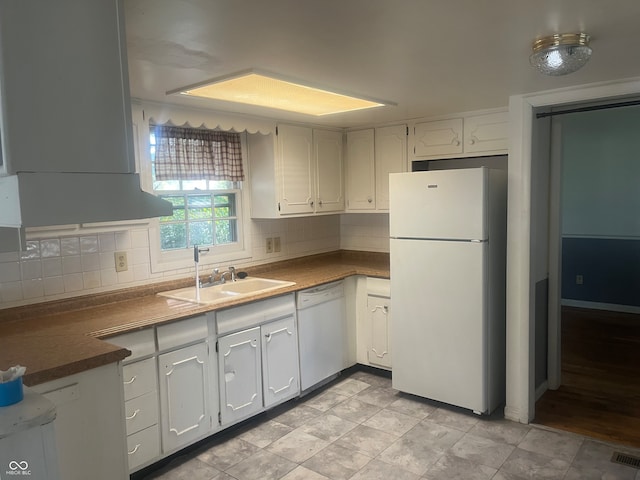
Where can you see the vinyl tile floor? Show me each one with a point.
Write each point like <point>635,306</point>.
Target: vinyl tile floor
<point>358,427</point>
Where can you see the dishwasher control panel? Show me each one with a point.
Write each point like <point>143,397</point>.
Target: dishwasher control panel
<point>319,294</point>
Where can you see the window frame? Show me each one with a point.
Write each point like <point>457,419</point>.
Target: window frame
<point>162,261</point>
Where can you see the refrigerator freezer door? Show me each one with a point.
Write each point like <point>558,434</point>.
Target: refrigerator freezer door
<point>445,204</point>
<point>439,316</point>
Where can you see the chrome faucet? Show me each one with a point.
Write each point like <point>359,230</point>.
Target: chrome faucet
<point>231,272</point>
<point>196,260</point>
<point>222,279</point>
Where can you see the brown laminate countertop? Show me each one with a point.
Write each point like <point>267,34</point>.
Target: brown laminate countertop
<point>57,339</point>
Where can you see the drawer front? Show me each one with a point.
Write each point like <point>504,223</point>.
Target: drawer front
<point>143,447</point>
<point>141,343</point>
<point>139,378</point>
<point>182,332</point>
<point>141,412</point>
<point>252,314</point>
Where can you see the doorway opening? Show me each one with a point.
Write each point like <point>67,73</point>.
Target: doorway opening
<point>594,267</point>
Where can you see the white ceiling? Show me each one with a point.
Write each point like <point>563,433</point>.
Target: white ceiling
<point>430,57</point>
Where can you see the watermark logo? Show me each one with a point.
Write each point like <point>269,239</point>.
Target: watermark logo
<point>18,468</point>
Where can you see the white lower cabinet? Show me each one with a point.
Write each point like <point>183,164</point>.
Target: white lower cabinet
<point>89,428</point>
<point>169,389</point>
<point>280,372</point>
<point>184,395</point>
<point>373,324</point>
<point>140,384</point>
<point>258,365</point>
<point>240,375</point>
<point>143,446</point>
<point>258,369</point>
<point>379,351</point>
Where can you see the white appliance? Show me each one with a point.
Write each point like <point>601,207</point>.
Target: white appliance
<point>322,333</point>
<point>448,262</point>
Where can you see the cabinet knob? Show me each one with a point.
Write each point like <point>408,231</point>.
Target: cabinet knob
<point>369,199</point>
<point>320,202</point>
<point>311,203</point>
<point>472,141</point>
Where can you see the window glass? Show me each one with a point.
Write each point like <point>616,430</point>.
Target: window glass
<point>205,212</point>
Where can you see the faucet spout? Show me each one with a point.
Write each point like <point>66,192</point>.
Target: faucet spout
<point>196,260</point>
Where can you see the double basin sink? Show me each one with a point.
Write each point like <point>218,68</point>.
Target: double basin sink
<point>224,291</point>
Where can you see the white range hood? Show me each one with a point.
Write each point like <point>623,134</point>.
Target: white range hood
<point>66,136</point>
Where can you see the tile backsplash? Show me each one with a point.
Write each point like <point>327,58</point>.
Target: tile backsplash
<point>67,266</point>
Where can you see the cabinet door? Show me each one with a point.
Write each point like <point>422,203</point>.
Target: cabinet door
<point>295,170</point>
<point>442,137</point>
<point>391,157</point>
<point>183,395</point>
<point>379,351</point>
<point>240,375</point>
<point>327,147</point>
<point>280,370</point>
<point>485,133</point>
<point>361,182</point>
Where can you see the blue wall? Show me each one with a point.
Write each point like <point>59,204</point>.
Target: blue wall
<point>610,269</point>
<point>601,206</point>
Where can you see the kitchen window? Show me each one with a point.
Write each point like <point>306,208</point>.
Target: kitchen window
<point>200,172</point>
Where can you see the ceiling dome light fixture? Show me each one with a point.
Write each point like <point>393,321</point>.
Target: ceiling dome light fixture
<point>561,53</point>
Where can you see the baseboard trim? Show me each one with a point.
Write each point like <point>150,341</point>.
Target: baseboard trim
<point>543,387</point>
<point>513,414</point>
<point>611,307</point>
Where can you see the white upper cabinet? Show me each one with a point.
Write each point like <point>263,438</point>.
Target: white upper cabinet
<point>467,136</point>
<point>302,174</point>
<point>296,171</point>
<point>361,177</point>
<point>441,137</point>
<point>391,157</point>
<point>486,133</point>
<point>328,148</point>
<point>371,156</point>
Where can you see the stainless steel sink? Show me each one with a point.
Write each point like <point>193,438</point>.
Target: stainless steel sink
<point>224,291</point>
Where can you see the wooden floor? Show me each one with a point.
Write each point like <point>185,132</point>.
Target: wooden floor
<point>600,392</point>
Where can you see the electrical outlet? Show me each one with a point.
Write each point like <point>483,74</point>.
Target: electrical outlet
<point>269,245</point>
<point>276,244</point>
<point>579,280</point>
<point>122,265</point>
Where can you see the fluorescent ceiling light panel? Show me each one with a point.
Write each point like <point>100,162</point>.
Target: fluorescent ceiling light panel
<point>257,89</point>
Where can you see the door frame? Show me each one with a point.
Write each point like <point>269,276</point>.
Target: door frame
<point>520,372</point>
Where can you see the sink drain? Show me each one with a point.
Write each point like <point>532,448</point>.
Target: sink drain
<point>624,459</point>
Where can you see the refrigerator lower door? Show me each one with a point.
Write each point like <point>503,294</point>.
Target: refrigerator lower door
<point>439,321</point>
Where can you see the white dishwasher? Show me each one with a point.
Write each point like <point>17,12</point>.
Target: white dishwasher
<point>322,333</point>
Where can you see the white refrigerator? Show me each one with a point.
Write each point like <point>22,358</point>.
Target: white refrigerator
<point>448,263</point>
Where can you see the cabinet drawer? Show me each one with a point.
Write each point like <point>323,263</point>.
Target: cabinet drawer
<point>139,378</point>
<point>143,446</point>
<point>182,332</point>
<point>141,343</point>
<point>141,412</point>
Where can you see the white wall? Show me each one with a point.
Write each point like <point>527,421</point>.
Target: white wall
<point>365,231</point>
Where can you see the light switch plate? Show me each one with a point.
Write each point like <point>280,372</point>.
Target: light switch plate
<point>276,244</point>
